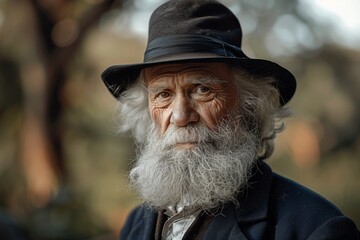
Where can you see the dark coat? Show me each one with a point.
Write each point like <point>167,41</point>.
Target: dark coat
<point>272,207</point>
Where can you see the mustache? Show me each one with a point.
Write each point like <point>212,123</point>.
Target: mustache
<point>190,134</point>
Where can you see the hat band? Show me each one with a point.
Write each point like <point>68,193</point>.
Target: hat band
<point>188,43</point>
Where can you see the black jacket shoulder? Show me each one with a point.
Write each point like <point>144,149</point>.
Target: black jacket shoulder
<point>299,213</point>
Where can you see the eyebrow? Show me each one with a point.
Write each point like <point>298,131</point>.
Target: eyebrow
<point>155,89</point>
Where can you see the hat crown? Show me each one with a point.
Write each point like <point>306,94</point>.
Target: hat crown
<point>198,17</point>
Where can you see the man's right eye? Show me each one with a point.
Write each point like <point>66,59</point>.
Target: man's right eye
<point>164,95</point>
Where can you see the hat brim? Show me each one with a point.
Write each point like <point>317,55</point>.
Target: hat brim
<point>118,78</point>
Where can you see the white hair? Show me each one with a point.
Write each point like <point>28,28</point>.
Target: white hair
<point>133,112</point>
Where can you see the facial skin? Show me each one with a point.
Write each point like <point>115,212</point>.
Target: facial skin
<point>185,94</point>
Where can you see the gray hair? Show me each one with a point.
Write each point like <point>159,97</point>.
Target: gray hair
<point>259,100</point>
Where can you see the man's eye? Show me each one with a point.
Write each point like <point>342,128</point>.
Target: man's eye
<point>202,89</point>
<point>164,95</point>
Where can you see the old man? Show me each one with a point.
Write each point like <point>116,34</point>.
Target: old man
<point>205,116</point>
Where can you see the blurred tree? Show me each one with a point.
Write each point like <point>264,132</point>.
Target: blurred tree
<point>61,29</point>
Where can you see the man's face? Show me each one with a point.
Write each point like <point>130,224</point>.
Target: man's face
<point>186,94</point>
<point>196,150</point>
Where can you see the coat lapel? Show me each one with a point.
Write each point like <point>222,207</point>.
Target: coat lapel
<point>249,219</point>
<point>225,227</point>
<point>144,229</point>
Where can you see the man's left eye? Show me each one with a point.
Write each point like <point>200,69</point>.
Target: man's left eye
<point>202,89</point>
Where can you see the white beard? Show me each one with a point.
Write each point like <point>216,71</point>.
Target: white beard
<point>210,173</point>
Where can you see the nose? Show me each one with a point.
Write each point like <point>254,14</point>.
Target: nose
<point>183,113</point>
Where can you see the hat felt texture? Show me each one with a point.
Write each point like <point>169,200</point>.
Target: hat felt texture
<point>196,31</point>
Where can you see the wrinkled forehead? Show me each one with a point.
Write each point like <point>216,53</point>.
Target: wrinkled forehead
<point>214,71</point>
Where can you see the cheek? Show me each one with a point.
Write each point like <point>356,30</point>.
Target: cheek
<point>214,111</point>
<point>156,115</point>
<point>155,112</point>
<point>160,117</point>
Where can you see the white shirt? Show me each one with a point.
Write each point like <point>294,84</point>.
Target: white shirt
<point>181,218</point>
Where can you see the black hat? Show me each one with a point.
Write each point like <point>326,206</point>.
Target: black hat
<point>187,31</point>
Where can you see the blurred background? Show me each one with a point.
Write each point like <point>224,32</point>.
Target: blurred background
<point>63,169</point>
